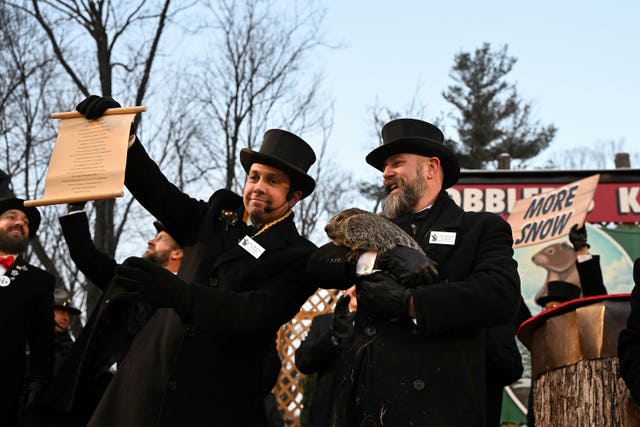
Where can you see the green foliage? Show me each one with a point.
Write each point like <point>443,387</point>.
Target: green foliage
<point>492,118</point>
<point>308,388</point>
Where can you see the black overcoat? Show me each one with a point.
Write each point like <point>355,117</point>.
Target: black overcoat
<point>317,355</point>
<point>431,372</point>
<point>26,316</point>
<point>209,361</point>
<point>106,336</point>
<point>629,341</point>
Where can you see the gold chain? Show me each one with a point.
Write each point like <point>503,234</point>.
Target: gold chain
<point>272,223</point>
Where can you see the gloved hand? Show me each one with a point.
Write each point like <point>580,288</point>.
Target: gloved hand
<point>152,282</point>
<point>409,266</point>
<point>75,207</point>
<point>381,295</point>
<point>342,326</point>
<point>33,393</point>
<point>328,267</point>
<point>578,237</point>
<point>94,106</point>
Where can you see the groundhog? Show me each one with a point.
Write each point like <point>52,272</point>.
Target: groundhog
<point>363,231</point>
<point>559,260</point>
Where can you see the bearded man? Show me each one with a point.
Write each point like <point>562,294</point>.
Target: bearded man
<point>84,375</point>
<point>26,307</point>
<point>418,354</point>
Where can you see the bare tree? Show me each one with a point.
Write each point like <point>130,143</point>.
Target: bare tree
<point>600,155</point>
<point>257,76</point>
<point>25,96</point>
<point>100,44</point>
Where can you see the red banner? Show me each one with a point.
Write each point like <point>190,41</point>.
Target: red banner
<point>612,202</point>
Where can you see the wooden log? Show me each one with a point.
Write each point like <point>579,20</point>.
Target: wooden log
<point>588,393</point>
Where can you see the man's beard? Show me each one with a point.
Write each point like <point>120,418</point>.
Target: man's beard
<point>406,200</point>
<point>11,244</point>
<point>157,258</point>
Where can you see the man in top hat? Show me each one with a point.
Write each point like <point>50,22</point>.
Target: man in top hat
<point>63,309</point>
<point>208,355</point>
<point>418,357</point>
<point>26,307</point>
<point>104,341</point>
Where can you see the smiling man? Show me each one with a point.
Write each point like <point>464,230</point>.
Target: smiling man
<point>418,354</point>
<point>208,355</point>
<point>26,307</point>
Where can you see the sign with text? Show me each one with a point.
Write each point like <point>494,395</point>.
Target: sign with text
<point>613,201</point>
<point>551,214</point>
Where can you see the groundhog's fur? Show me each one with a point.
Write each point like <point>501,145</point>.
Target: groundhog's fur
<point>363,231</point>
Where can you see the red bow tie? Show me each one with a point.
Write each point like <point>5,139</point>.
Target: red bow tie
<point>7,261</point>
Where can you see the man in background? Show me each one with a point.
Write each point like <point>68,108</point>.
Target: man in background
<point>318,354</point>
<point>26,314</point>
<point>104,341</point>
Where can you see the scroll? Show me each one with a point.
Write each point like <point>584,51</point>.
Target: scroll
<point>89,157</point>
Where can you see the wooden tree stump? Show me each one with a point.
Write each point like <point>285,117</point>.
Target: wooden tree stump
<point>588,393</point>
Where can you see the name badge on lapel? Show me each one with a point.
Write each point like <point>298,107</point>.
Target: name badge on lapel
<point>442,238</point>
<point>251,246</point>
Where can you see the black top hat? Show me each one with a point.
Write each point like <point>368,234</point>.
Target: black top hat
<point>33,215</point>
<point>62,301</point>
<point>159,227</point>
<point>416,137</point>
<point>561,291</point>
<point>286,151</point>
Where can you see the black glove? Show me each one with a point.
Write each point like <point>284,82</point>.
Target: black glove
<point>94,106</point>
<point>328,267</point>
<point>381,295</point>
<point>32,394</point>
<point>151,282</point>
<point>342,326</point>
<point>75,207</point>
<point>578,237</point>
<point>409,266</point>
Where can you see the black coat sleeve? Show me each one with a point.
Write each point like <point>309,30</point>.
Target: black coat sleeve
<point>317,352</point>
<point>96,265</point>
<point>591,277</point>
<point>260,309</point>
<point>174,209</point>
<point>328,267</point>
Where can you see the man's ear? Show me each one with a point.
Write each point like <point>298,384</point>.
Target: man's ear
<point>177,253</point>
<point>433,167</point>
<point>294,197</point>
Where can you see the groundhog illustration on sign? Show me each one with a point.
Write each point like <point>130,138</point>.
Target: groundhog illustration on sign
<point>559,260</point>
<point>363,231</point>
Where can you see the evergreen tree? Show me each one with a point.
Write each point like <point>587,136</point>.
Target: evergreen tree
<point>492,118</point>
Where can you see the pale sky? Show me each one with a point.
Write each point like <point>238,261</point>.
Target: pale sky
<point>578,63</point>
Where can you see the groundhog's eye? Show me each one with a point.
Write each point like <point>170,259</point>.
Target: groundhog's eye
<point>550,251</point>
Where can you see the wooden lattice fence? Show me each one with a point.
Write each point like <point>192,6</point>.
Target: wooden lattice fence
<point>288,390</point>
